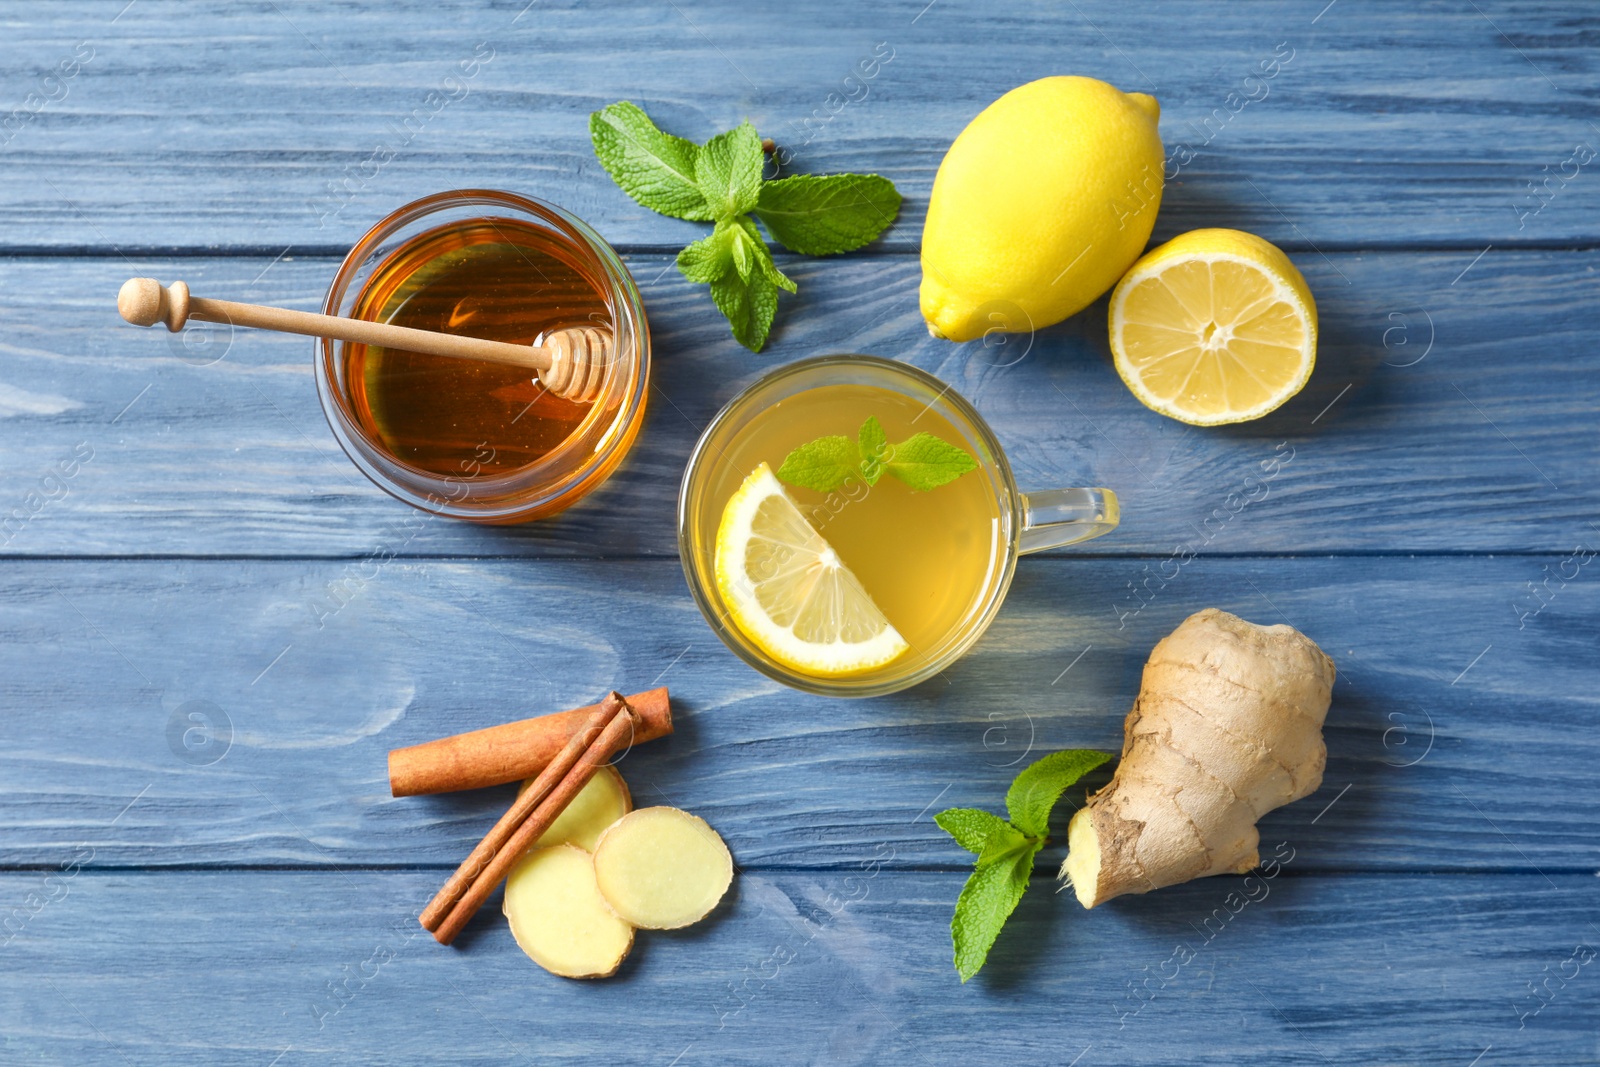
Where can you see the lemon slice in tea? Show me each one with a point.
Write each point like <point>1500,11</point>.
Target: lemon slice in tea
<point>789,592</point>
<point>1213,327</point>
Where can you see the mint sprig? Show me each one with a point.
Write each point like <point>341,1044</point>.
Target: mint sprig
<point>922,461</point>
<point>1006,850</point>
<point>721,182</point>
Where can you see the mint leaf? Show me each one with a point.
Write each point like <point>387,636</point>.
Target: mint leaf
<point>770,269</point>
<point>709,258</point>
<point>748,304</point>
<point>822,214</point>
<point>761,255</point>
<point>990,896</point>
<point>763,309</point>
<point>1037,788</point>
<point>728,171</point>
<point>744,281</point>
<point>925,462</point>
<point>824,464</point>
<point>1002,841</point>
<point>969,826</point>
<point>656,169</point>
<point>874,444</point>
<point>744,255</point>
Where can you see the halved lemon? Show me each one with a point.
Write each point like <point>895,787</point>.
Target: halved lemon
<point>789,592</point>
<point>1215,326</point>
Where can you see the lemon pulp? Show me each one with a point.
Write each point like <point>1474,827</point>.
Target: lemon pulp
<point>1216,326</point>
<point>787,590</point>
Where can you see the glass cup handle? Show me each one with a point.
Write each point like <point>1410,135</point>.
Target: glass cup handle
<point>1059,517</point>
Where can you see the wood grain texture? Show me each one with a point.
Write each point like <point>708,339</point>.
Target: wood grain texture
<point>1442,417</point>
<point>808,967</point>
<point>1451,727</point>
<point>300,125</point>
<point>212,628</point>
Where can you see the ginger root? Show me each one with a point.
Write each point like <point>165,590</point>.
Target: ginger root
<point>1227,726</point>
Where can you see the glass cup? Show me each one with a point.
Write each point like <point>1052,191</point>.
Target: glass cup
<point>1026,522</point>
<point>596,444</point>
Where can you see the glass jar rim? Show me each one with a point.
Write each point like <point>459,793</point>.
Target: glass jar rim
<point>586,453</point>
<point>995,595</point>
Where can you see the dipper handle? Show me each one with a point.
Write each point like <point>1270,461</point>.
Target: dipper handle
<point>572,363</point>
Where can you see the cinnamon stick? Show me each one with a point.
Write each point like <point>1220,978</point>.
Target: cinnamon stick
<point>530,816</point>
<point>519,811</point>
<point>511,752</point>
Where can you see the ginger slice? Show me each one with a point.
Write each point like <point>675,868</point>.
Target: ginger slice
<point>602,801</point>
<point>559,918</point>
<point>661,868</point>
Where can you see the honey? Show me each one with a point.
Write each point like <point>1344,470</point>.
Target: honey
<point>500,279</point>
<point>468,439</point>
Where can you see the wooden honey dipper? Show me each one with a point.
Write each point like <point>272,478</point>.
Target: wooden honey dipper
<point>571,363</point>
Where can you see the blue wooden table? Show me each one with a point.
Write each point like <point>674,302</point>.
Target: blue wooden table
<point>181,536</point>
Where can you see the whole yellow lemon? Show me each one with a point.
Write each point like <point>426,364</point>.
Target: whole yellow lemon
<point>1041,204</point>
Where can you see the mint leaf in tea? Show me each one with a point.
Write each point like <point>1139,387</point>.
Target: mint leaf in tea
<point>824,464</point>
<point>925,462</point>
<point>922,461</point>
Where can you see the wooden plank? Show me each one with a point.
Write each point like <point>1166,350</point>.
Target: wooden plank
<point>1382,127</point>
<point>1417,433</point>
<point>198,857</point>
<point>1456,739</point>
<point>831,967</point>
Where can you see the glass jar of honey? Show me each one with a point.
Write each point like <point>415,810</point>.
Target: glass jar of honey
<point>473,440</point>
